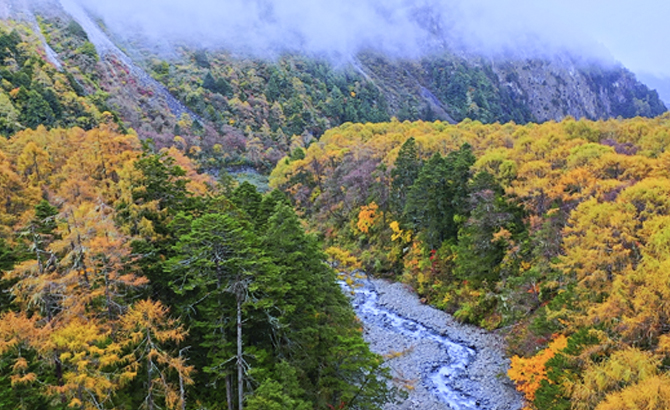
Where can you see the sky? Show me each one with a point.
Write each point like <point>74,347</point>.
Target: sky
<point>633,33</point>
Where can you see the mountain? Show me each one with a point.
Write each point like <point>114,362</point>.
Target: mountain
<point>235,110</point>
<point>661,84</point>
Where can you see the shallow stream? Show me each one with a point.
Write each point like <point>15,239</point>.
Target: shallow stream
<point>441,363</point>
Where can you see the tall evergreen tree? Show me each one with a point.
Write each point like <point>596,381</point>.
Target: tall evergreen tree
<point>479,251</point>
<point>459,164</point>
<point>37,111</point>
<point>406,171</point>
<point>7,259</point>
<point>267,207</point>
<point>438,195</point>
<point>158,194</point>
<point>318,334</point>
<point>428,208</point>
<point>248,200</point>
<point>212,274</point>
<point>40,233</point>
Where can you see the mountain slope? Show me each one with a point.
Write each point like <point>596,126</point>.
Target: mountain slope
<point>34,92</point>
<point>235,110</point>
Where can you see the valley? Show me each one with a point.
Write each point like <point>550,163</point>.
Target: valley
<point>173,211</point>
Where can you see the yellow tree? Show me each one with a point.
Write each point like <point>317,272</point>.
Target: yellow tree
<point>368,217</point>
<point>534,179</point>
<point>146,330</point>
<point>650,197</point>
<point>623,368</point>
<point>17,197</point>
<point>18,334</point>
<point>599,243</point>
<point>90,361</point>
<point>638,309</point>
<point>34,163</point>
<point>95,255</point>
<point>650,394</point>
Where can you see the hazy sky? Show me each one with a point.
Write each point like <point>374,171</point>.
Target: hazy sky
<point>635,33</point>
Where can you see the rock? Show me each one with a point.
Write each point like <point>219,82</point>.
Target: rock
<point>426,346</point>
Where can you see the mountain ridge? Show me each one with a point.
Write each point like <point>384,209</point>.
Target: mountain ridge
<point>247,111</point>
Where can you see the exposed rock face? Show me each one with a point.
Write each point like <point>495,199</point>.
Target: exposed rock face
<point>556,89</point>
<point>451,87</point>
<point>106,48</point>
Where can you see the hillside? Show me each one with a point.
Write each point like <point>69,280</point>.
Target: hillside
<point>129,281</point>
<point>35,93</point>
<point>556,233</point>
<point>233,110</point>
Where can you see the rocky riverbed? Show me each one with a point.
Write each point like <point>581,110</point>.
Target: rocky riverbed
<point>441,363</point>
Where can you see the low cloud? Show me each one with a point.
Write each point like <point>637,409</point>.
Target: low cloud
<point>404,28</point>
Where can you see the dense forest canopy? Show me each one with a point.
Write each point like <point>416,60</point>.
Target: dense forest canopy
<point>33,92</point>
<point>233,111</point>
<point>131,281</point>
<point>556,232</point>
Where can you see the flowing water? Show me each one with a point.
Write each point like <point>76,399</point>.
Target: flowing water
<point>446,373</point>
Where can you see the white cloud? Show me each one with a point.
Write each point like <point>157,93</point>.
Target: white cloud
<point>633,32</point>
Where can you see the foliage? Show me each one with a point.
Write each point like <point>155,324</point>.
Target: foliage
<point>34,92</point>
<point>559,230</point>
<point>528,374</point>
<point>132,283</point>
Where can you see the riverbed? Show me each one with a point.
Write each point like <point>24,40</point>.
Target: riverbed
<point>440,363</point>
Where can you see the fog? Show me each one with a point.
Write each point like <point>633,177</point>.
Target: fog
<point>630,32</point>
<point>343,27</point>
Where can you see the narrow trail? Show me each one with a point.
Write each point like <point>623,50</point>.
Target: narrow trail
<point>441,363</point>
<point>105,47</point>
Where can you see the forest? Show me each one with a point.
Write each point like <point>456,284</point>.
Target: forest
<point>33,92</point>
<point>132,278</point>
<point>555,234</point>
<point>131,281</point>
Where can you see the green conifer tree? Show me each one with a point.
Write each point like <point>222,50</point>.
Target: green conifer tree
<point>407,167</point>
<point>212,275</point>
<point>318,333</point>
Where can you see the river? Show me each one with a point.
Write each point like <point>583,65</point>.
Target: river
<point>441,363</point>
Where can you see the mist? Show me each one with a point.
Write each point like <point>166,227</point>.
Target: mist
<point>606,31</point>
<point>399,27</point>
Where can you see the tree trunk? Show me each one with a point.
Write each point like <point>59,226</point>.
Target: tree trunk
<point>150,399</point>
<point>240,368</point>
<point>36,245</point>
<point>182,391</point>
<point>59,376</point>
<point>229,392</point>
<point>80,396</point>
<point>59,365</point>
<point>108,295</point>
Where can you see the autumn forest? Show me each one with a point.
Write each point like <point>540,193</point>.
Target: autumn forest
<point>553,233</point>
<point>138,273</point>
